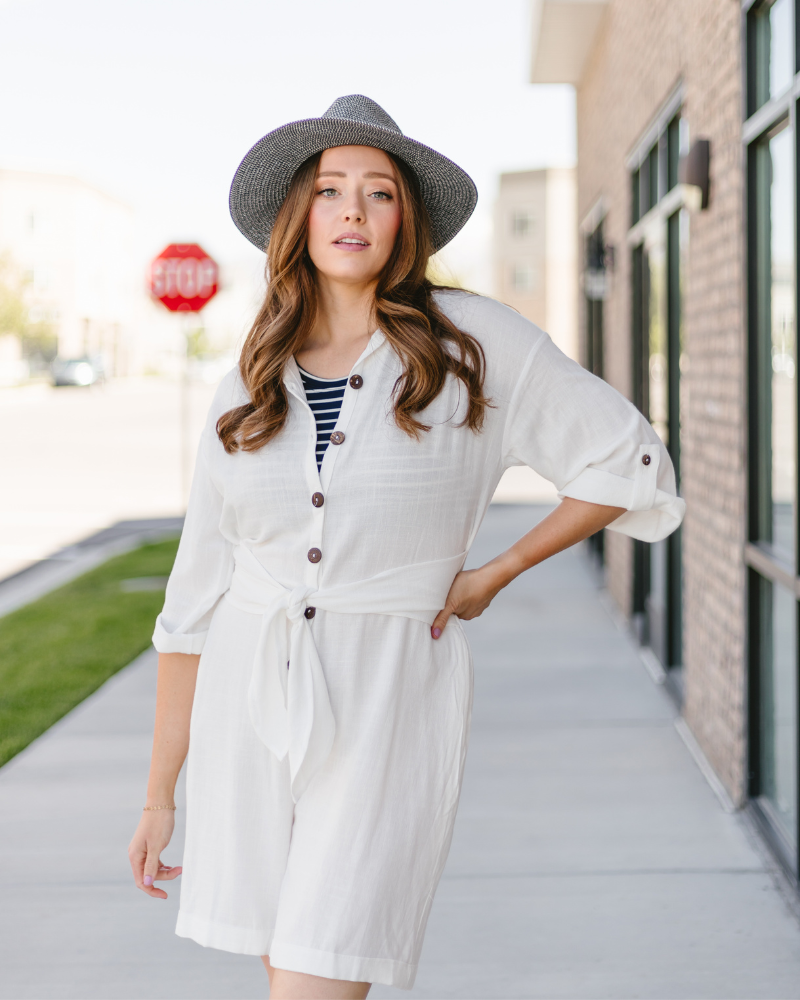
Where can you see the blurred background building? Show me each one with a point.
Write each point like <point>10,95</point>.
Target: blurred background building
<point>73,264</point>
<point>534,270</point>
<point>67,255</point>
<point>687,206</point>
<point>535,250</point>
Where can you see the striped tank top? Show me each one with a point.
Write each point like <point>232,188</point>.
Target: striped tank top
<point>325,397</point>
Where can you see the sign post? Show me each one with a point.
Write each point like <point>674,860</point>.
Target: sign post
<point>184,279</point>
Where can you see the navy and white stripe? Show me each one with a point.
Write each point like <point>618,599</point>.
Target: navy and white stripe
<point>325,397</point>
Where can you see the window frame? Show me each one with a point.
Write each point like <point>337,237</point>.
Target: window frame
<point>763,120</point>
<point>660,146</point>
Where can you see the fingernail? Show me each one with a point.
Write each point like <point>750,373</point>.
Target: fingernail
<point>436,633</point>
<point>148,880</point>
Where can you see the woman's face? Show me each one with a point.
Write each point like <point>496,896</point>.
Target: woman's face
<point>355,214</point>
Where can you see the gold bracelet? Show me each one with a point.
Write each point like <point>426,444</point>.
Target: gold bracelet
<point>148,808</point>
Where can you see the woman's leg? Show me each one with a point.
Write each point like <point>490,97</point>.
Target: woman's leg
<point>285,985</point>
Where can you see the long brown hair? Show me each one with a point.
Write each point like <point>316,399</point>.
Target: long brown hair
<point>427,342</point>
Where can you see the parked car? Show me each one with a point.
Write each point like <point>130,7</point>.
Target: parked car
<point>77,371</point>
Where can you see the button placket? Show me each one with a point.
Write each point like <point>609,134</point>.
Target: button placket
<point>311,569</point>
<point>295,386</point>
<point>316,507</point>
<point>351,395</point>
<point>323,475</point>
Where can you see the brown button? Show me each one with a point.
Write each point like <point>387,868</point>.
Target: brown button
<point>314,555</point>
<point>317,499</point>
<point>356,381</point>
<point>310,612</point>
<point>645,459</point>
<point>337,437</point>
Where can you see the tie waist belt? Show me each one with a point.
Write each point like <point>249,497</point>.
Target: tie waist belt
<point>290,709</point>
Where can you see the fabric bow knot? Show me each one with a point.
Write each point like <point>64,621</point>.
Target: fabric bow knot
<point>290,708</point>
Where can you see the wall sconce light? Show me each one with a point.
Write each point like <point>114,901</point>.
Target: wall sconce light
<point>693,170</point>
<point>596,277</point>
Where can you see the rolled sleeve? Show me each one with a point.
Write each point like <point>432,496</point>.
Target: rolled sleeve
<point>593,444</point>
<point>177,642</point>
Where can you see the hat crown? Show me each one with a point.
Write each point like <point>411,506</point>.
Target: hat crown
<point>357,108</point>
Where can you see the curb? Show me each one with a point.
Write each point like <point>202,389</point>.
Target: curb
<point>68,563</point>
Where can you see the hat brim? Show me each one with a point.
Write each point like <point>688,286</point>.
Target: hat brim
<point>262,181</point>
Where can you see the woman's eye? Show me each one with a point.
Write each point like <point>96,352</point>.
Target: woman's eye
<point>381,195</point>
<point>327,192</point>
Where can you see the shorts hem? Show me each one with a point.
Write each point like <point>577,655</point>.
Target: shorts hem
<point>352,968</point>
<point>223,937</point>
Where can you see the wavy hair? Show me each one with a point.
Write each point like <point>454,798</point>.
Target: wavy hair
<point>428,344</point>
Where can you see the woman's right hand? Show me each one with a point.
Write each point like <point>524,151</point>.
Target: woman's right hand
<point>152,835</point>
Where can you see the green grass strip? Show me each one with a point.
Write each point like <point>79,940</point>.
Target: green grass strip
<point>58,650</point>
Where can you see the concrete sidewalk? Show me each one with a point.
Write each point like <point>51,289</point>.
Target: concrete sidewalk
<point>591,857</point>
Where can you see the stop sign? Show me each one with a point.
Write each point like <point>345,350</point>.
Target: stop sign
<point>183,277</point>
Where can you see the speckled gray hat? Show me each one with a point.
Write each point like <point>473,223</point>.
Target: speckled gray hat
<point>262,181</point>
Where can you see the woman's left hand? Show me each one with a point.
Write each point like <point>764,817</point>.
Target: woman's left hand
<point>473,590</point>
<point>471,593</point>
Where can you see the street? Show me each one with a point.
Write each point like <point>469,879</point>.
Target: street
<point>76,460</point>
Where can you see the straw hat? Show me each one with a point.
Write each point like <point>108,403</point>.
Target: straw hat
<point>262,181</point>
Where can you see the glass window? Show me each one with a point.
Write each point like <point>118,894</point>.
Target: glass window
<point>773,432</point>
<point>770,51</point>
<point>635,182</point>
<point>775,461</point>
<point>778,705</point>
<point>594,286</point>
<point>784,462</point>
<point>522,222</point>
<point>652,177</point>
<point>523,278</point>
<point>673,151</point>
<point>781,50</point>
<point>658,341</point>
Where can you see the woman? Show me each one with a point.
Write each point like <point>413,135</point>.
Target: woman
<point>341,479</point>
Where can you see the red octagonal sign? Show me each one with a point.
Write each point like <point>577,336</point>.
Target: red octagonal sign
<point>183,277</point>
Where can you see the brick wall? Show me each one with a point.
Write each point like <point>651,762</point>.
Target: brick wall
<point>643,52</point>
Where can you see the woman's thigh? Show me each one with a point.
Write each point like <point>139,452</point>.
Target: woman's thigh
<point>284,985</point>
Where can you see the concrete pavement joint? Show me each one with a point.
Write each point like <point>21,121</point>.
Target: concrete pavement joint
<point>603,724</point>
<point>614,872</point>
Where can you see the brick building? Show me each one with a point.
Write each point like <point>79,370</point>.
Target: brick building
<point>687,207</point>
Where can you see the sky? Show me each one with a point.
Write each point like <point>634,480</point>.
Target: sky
<point>157,101</point>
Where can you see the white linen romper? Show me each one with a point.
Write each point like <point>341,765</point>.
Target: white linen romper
<point>322,795</point>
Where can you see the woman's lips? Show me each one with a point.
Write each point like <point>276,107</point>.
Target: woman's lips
<point>351,242</point>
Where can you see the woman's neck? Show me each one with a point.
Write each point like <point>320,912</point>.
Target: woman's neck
<point>341,331</point>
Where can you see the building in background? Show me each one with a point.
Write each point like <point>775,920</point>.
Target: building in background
<point>687,215</point>
<point>73,267</point>
<point>535,250</point>
<point>69,249</point>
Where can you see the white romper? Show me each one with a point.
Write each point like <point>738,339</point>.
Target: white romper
<point>322,794</point>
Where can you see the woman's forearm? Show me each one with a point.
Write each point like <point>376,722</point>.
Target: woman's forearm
<point>177,675</point>
<point>473,590</point>
<point>569,523</point>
